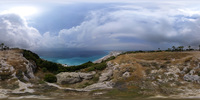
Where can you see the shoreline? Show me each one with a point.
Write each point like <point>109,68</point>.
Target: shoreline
<point>111,53</point>
<point>76,60</point>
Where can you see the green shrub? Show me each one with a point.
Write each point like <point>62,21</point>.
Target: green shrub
<point>98,66</point>
<point>44,69</point>
<point>90,69</point>
<point>110,58</point>
<point>50,78</point>
<point>75,68</point>
<point>20,76</point>
<point>45,65</point>
<point>30,55</point>
<point>5,75</point>
<point>95,79</point>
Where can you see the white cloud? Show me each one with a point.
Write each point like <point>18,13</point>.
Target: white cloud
<point>155,27</point>
<point>15,32</point>
<point>124,28</point>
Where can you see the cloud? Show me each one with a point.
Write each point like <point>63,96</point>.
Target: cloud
<point>150,27</point>
<point>15,32</point>
<point>131,26</point>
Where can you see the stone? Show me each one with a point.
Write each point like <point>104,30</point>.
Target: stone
<point>68,78</point>
<point>126,74</point>
<point>193,78</point>
<point>73,77</point>
<point>106,75</point>
<point>87,76</point>
<point>99,86</point>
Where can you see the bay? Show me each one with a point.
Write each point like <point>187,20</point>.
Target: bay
<point>72,57</point>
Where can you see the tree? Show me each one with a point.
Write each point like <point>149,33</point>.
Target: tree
<point>180,48</point>
<point>173,48</point>
<point>189,47</point>
<point>2,45</point>
<point>169,49</point>
<point>5,48</point>
<point>199,47</point>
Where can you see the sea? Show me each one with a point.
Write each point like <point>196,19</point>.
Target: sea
<point>72,57</point>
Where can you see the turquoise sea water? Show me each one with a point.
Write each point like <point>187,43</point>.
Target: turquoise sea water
<point>72,57</point>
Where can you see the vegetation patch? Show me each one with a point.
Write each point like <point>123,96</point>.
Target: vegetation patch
<point>5,75</point>
<point>116,93</point>
<point>160,55</point>
<point>99,66</point>
<point>45,65</point>
<point>75,68</point>
<point>50,78</point>
<point>20,76</point>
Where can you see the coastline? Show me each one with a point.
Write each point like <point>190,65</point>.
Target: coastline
<point>112,53</point>
<point>76,60</point>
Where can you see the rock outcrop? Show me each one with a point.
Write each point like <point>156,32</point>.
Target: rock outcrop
<point>100,85</point>
<point>14,65</point>
<point>15,73</point>
<point>73,77</point>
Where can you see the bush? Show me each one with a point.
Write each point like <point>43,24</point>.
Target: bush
<point>5,75</point>
<point>20,76</point>
<point>99,66</point>
<point>44,69</point>
<point>50,78</point>
<point>30,55</point>
<point>75,68</point>
<point>91,69</point>
<point>110,58</point>
<point>45,65</point>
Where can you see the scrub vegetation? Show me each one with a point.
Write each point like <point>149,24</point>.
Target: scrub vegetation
<point>57,68</point>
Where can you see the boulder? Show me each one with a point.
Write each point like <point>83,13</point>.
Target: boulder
<point>105,76</point>
<point>126,74</point>
<point>87,76</point>
<point>193,78</point>
<point>73,77</point>
<point>99,86</point>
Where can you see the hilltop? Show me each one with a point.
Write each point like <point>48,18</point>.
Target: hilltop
<point>123,75</point>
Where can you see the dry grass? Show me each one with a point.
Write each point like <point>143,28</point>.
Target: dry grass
<point>158,56</point>
<point>141,63</point>
<point>15,59</point>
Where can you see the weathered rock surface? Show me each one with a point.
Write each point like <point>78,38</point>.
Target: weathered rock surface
<point>73,77</point>
<point>192,78</point>
<point>106,76</point>
<point>14,65</point>
<point>126,74</point>
<point>100,85</point>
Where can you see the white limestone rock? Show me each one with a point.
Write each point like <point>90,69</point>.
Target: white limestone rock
<point>73,77</point>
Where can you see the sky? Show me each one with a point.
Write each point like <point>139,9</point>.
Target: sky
<point>99,25</point>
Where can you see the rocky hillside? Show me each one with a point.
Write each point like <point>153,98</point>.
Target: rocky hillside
<point>14,71</point>
<point>133,74</point>
<point>174,74</point>
<point>14,65</point>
